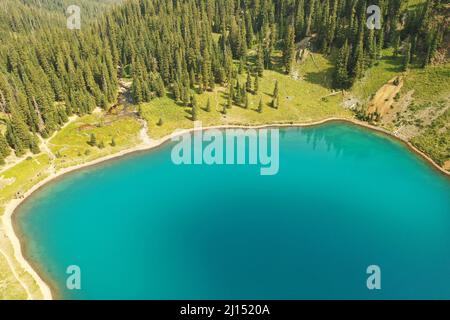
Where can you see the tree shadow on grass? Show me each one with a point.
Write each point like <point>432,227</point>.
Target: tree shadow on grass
<point>189,112</point>
<point>323,78</point>
<point>394,63</point>
<point>277,65</point>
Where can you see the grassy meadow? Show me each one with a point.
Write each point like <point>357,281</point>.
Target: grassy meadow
<point>305,98</point>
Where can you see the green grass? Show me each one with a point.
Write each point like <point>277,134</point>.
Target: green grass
<point>432,90</point>
<point>435,140</point>
<point>301,100</point>
<point>10,288</point>
<point>71,143</point>
<point>429,84</point>
<point>414,5</point>
<point>378,75</point>
<point>18,179</point>
<point>431,87</point>
<point>23,176</point>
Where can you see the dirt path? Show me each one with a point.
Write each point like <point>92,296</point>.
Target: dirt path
<point>19,279</point>
<point>143,133</point>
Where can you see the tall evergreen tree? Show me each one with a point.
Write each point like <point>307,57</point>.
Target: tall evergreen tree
<point>289,49</point>
<point>407,57</point>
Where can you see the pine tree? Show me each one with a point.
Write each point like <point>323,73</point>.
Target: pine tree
<point>225,107</point>
<point>17,135</point>
<point>341,77</point>
<point>208,106</point>
<point>432,45</point>
<point>176,91</point>
<point>248,84</point>
<point>371,49</point>
<point>238,96</point>
<point>256,85</point>
<point>357,66</point>
<point>158,85</point>
<point>276,90</point>
<point>4,148</point>
<point>407,57</point>
<point>289,49</point>
<point>260,61</point>
<point>241,68</point>
<point>396,43</point>
<point>194,108</point>
<point>34,145</point>
<point>260,106</point>
<point>92,140</point>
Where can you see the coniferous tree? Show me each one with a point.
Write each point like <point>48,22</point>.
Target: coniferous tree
<point>256,85</point>
<point>396,43</point>
<point>260,106</point>
<point>260,62</point>
<point>248,84</point>
<point>274,102</point>
<point>92,140</point>
<point>170,46</point>
<point>276,90</point>
<point>4,148</point>
<point>238,96</point>
<point>407,57</point>
<point>341,78</point>
<point>230,98</point>
<point>289,49</point>
<point>34,145</point>
<point>208,106</point>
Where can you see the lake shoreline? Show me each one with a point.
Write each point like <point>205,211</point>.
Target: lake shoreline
<point>49,291</point>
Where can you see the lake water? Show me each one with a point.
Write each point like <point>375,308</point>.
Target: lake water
<point>345,198</point>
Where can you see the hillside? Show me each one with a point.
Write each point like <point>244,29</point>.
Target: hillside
<point>19,17</point>
<point>147,67</point>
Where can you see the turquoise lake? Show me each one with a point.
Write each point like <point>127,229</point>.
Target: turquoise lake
<point>345,198</point>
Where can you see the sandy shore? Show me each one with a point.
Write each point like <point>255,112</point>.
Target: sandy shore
<point>147,145</point>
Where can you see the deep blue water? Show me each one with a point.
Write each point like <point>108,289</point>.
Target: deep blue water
<point>344,198</point>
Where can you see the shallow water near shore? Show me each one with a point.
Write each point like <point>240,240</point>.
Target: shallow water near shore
<point>344,198</point>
